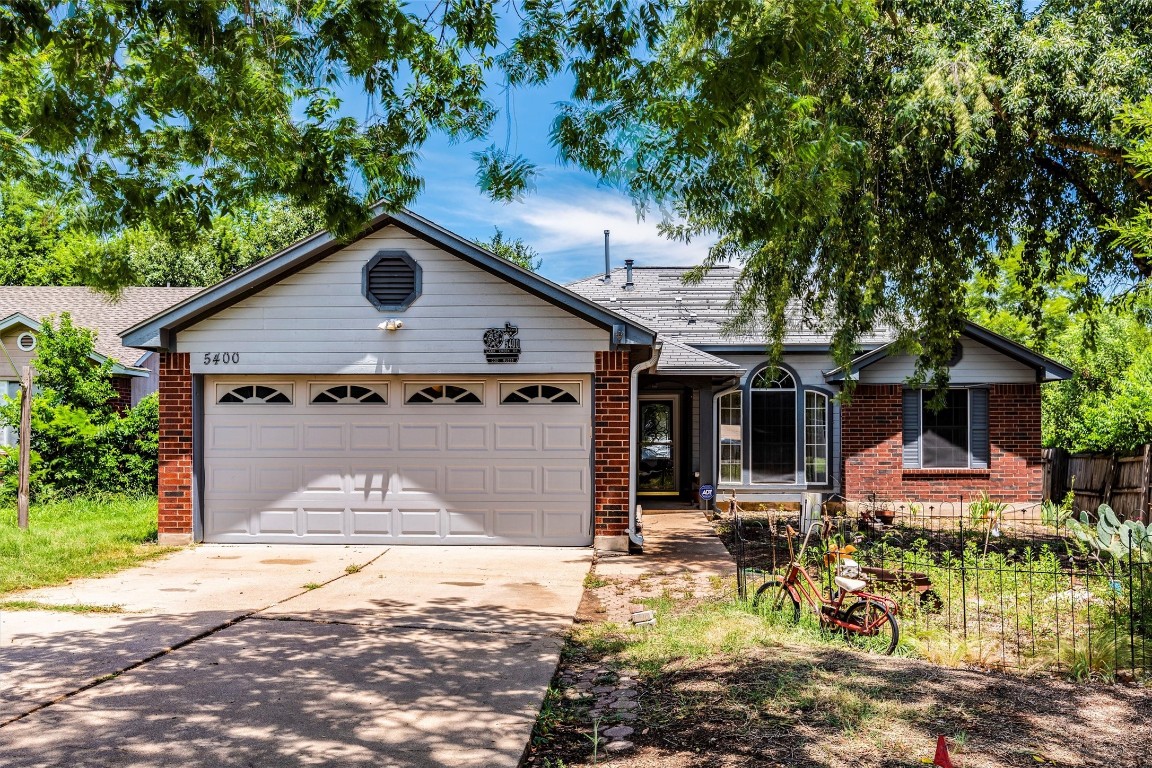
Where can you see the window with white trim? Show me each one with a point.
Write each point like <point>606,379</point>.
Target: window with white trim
<point>443,394</point>
<point>258,394</point>
<point>539,394</point>
<point>816,437</point>
<point>730,438</point>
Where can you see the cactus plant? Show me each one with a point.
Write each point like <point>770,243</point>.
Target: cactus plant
<point>1122,540</point>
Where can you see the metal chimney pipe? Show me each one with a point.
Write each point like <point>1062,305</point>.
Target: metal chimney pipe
<point>607,258</point>
<point>628,271</point>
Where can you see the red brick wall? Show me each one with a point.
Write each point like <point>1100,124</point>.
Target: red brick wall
<point>873,443</point>
<point>122,401</point>
<point>610,419</point>
<point>175,486</point>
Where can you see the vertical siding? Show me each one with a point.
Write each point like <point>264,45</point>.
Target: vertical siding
<point>143,386</point>
<point>318,321</point>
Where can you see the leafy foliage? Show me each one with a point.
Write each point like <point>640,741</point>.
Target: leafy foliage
<point>515,250</point>
<point>80,443</point>
<point>864,158</point>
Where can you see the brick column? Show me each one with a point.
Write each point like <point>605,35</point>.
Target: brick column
<point>610,469</point>
<point>175,482</point>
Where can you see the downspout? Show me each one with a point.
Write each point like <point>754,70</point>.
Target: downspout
<point>633,412</point>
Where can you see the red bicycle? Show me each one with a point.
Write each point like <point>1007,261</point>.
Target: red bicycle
<point>867,618</point>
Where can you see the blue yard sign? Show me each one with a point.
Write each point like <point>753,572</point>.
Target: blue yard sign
<point>707,492</point>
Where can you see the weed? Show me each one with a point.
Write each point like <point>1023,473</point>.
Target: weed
<point>594,580</point>
<point>351,569</point>
<point>311,586</point>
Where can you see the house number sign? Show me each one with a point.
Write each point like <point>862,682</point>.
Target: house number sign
<point>501,344</point>
<point>221,358</point>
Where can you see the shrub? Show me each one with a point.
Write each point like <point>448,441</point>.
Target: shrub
<point>80,444</point>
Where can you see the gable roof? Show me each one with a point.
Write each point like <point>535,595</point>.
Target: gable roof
<point>679,358</point>
<point>1046,368</point>
<point>159,330</point>
<point>695,314</point>
<point>94,310</point>
<point>20,320</point>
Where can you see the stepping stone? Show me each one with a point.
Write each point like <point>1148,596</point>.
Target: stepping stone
<point>618,746</point>
<point>619,732</point>
<point>625,704</point>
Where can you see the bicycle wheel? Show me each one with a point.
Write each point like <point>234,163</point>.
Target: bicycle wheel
<point>885,630</point>
<point>775,601</point>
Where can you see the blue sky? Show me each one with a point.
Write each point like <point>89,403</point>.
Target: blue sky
<point>564,218</point>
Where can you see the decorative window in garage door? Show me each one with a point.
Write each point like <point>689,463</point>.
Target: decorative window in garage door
<point>349,394</point>
<point>280,394</point>
<point>443,394</point>
<point>539,394</point>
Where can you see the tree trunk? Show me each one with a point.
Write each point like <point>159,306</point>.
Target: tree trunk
<point>25,445</point>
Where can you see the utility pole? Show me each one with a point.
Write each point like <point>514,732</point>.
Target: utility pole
<point>25,445</point>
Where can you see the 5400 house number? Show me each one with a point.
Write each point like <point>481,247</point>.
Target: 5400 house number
<point>221,358</point>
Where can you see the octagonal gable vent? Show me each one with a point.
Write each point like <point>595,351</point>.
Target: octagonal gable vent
<point>392,280</point>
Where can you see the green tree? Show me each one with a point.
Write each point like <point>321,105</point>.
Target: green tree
<point>514,250</point>
<point>80,443</point>
<point>866,157</point>
<point>31,231</point>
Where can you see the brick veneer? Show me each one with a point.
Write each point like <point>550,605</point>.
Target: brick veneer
<point>175,486</point>
<point>610,469</point>
<point>122,400</point>
<point>872,448</point>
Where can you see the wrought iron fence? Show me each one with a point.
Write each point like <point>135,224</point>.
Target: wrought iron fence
<point>976,581</point>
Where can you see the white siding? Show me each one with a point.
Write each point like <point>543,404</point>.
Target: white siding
<point>318,321</point>
<point>979,365</point>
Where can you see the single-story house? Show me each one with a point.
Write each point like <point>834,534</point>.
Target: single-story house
<point>412,387</point>
<point>22,308</point>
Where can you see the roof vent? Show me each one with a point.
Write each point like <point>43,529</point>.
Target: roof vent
<point>628,285</point>
<point>607,258</point>
<point>392,280</point>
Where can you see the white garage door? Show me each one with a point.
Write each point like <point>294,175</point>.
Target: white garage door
<point>397,460</point>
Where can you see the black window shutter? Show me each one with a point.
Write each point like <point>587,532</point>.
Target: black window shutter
<point>911,428</point>
<point>979,436</point>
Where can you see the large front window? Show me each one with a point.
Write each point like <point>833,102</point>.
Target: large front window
<point>731,438</point>
<point>816,437</point>
<point>772,420</point>
<point>945,440</point>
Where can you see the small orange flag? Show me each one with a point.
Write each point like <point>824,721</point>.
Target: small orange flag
<point>942,759</point>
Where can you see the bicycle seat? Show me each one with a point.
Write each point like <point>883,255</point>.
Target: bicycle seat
<point>850,585</point>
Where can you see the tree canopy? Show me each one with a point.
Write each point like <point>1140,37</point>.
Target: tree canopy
<point>862,157</point>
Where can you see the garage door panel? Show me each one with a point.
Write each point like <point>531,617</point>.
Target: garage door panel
<point>419,437</point>
<point>565,437</point>
<point>325,438</point>
<point>438,472</point>
<point>466,480</point>
<point>371,437</point>
<point>516,437</point>
<point>276,437</point>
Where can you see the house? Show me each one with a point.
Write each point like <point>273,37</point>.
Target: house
<point>713,411</point>
<point>22,308</point>
<point>411,387</point>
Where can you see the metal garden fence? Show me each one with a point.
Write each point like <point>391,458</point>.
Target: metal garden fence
<point>979,582</point>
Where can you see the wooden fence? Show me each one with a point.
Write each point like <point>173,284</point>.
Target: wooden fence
<point>1122,481</point>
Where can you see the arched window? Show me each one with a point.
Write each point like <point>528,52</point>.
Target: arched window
<point>816,437</point>
<point>347,394</point>
<point>539,394</point>
<point>256,394</point>
<point>772,422</point>
<point>441,394</point>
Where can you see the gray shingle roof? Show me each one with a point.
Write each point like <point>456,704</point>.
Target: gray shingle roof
<point>94,310</point>
<point>676,357</point>
<point>693,314</point>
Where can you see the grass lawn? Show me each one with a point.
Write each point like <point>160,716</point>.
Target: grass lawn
<point>76,538</point>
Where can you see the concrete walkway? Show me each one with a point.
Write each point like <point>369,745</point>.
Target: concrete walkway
<point>413,656</point>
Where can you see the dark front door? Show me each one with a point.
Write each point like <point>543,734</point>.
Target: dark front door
<point>656,470</point>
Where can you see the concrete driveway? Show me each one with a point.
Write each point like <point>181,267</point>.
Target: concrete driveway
<point>403,656</point>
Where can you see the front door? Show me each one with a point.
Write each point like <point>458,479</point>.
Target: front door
<point>656,468</point>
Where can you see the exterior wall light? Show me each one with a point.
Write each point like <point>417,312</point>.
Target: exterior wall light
<point>391,325</point>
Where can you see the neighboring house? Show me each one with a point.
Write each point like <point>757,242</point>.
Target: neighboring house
<point>713,411</point>
<point>22,308</point>
<point>412,387</point>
